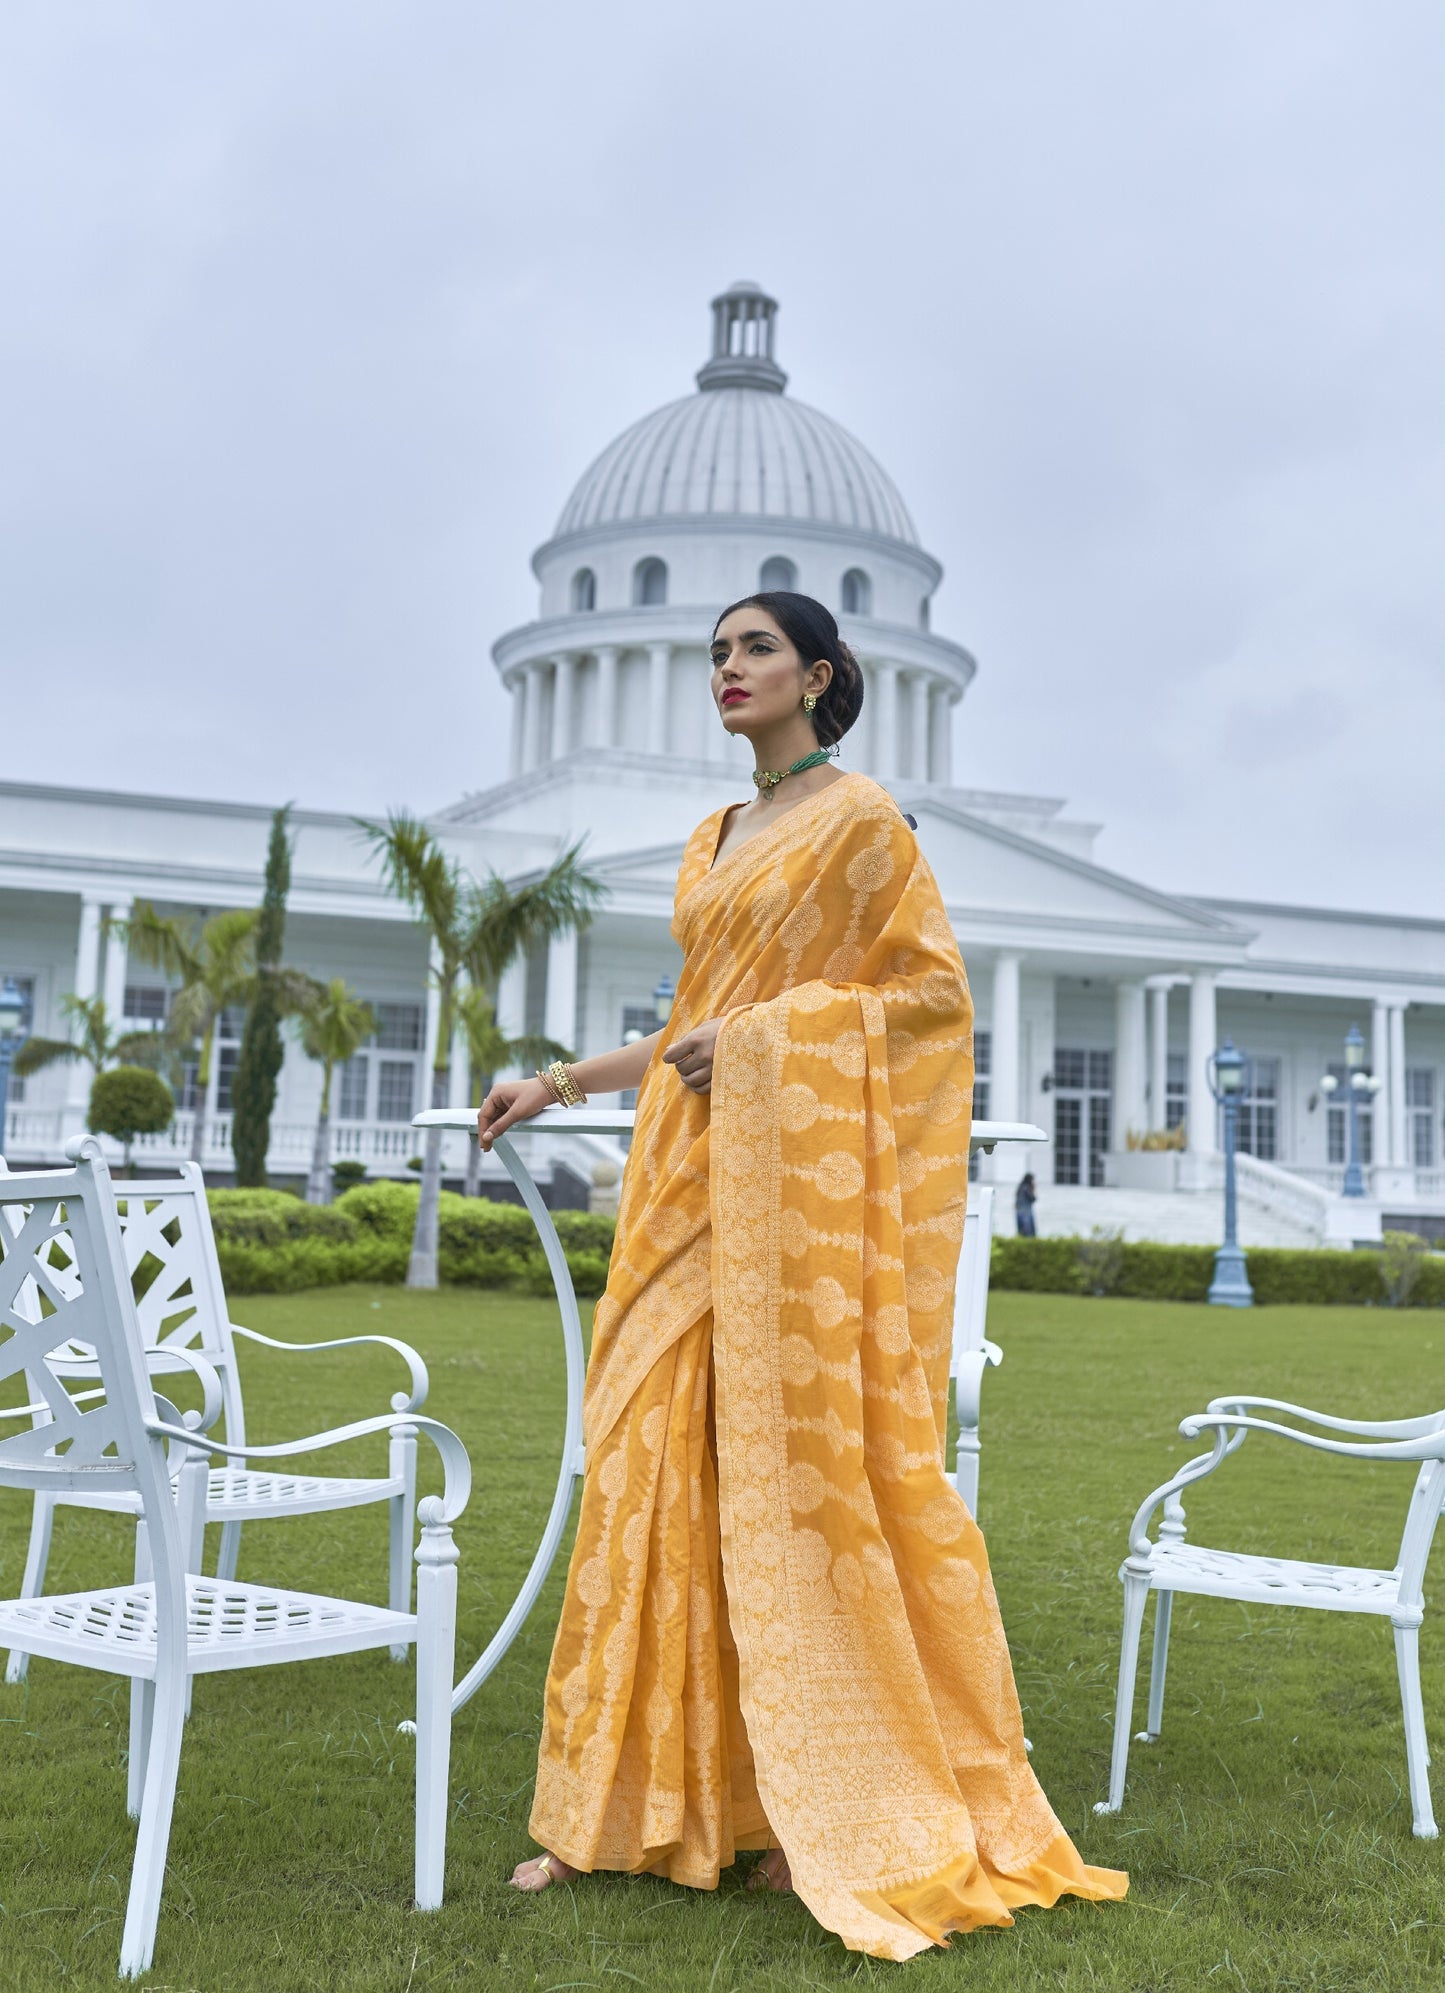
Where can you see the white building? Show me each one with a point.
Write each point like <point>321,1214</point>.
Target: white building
<point>1099,997</point>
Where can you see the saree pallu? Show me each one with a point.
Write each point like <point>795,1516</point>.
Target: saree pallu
<point>779,1623</point>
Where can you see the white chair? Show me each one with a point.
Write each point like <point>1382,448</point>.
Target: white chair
<point>970,1357</point>
<point>972,1350</point>
<point>1169,1564</point>
<point>174,1624</point>
<point>170,1251</point>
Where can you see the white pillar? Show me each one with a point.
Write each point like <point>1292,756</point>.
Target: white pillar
<point>87,984</point>
<point>607,695</point>
<point>940,734</point>
<point>115,959</point>
<point>517,686</point>
<point>918,683</point>
<point>512,1002</point>
<point>432,1030</point>
<point>1399,1147</point>
<point>1384,1146</point>
<point>885,732</point>
<point>560,1018</point>
<point>564,695</point>
<point>1159,1056</point>
<point>532,725</point>
<point>1003,1104</point>
<point>1202,1138</point>
<point>1129,1063</point>
<point>659,659</point>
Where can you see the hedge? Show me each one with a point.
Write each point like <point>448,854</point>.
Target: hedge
<point>1145,1271</point>
<point>269,1242</point>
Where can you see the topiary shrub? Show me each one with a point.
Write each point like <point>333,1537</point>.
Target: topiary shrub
<point>346,1174</point>
<point>128,1101</point>
<point>1401,1264</point>
<point>1101,1260</point>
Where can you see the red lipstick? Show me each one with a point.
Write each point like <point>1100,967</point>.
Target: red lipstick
<point>732,695</point>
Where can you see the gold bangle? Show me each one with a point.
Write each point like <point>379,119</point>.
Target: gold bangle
<point>565,1081</point>
<point>551,1086</point>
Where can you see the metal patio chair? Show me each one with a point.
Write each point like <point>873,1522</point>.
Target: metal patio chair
<point>1168,1564</point>
<point>166,1627</point>
<point>170,1251</point>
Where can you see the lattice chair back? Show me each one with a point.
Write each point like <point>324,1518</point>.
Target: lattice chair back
<point>175,1281</point>
<point>170,1252</point>
<point>65,1286</point>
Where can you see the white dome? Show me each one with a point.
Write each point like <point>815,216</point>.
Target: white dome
<point>738,452</point>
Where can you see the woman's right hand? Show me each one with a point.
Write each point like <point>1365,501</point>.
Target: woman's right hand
<point>509,1101</point>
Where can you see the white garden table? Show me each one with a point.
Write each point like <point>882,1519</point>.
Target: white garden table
<point>971,1350</point>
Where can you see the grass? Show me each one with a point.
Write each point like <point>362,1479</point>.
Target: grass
<point>1267,1835</point>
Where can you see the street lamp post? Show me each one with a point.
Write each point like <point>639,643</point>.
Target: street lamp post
<point>662,1000</point>
<point>12,1037</point>
<point>1230,1288</point>
<point>1358,1086</point>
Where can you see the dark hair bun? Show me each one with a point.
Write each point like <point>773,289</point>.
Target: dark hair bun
<point>812,629</point>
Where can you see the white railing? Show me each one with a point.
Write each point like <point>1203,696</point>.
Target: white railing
<point>38,1134</point>
<point>1282,1193</point>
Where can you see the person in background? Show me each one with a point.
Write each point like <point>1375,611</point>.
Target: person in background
<point>1025,1198</point>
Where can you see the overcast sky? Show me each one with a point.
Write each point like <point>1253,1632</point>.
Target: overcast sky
<point>314,313</point>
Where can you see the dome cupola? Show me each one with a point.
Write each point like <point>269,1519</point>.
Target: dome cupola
<point>742,342</point>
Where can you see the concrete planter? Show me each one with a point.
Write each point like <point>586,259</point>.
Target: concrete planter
<point>1144,1169</point>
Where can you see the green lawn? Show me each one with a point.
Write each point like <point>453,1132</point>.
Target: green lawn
<point>1268,1834</point>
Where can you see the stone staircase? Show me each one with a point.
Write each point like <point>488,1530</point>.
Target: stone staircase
<point>1180,1217</point>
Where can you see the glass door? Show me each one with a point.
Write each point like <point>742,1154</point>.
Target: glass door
<point>1083,1111</point>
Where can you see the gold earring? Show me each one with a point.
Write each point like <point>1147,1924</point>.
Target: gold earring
<point>810,700</point>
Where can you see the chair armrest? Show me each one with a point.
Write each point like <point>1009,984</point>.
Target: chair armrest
<point>163,1358</point>
<point>1428,1445</point>
<point>968,1381</point>
<point>456,1463</point>
<point>1366,1428</point>
<point>400,1402</point>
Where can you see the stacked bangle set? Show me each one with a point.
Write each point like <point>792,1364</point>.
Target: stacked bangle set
<point>561,1082</point>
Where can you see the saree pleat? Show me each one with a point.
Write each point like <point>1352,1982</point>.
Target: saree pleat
<point>779,1621</point>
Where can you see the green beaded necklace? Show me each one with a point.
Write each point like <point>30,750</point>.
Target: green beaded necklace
<point>767,779</point>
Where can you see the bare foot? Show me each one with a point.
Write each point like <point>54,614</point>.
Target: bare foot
<point>533,1876</point>
<point>772,1872</point>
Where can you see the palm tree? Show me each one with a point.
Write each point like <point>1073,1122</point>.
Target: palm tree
<point>90,1040</point>
<point>476,930</point>
<point>215,962</point>
<point>490,1051</point>
<point>335,1024</point>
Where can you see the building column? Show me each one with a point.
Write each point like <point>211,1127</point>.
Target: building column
<point>517,686</point>
<point>564,698</point>
<point>659,661</point>
<point>1159,1056</point>
<point>918,702</point>
<point>885,732</point>
<point>1129,1063</point>
<point>532,724</point>
<point>940,734</point>
<point>512,1003</point>
<point>1202,1035</point>
<point>113,989</point>
<point>1004,1049</point>
<point>560,1016</point>
<point>1399,1126</point>
<point>432,1029</point>
<point>606,655</point>
<point>1384,1101</point>
<point>87,984</point>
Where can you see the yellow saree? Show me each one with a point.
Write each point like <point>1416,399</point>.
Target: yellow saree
<point>779,1622</point>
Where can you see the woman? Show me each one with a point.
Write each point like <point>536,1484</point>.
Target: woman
<point>779,1629</point>
<point>1025,1198</point>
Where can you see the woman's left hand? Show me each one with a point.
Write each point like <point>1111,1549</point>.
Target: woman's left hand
<point>692,1055</point>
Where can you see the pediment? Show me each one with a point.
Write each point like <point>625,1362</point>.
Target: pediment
<point>983,867</point>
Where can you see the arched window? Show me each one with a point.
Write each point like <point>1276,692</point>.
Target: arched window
<point>778,572</point>
<point>649,583</point>
<point>584,590</point>
<point>857,593</point>
<point>923,614</point>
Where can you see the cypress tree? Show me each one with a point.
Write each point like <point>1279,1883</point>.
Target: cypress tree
<point>253,1089</point>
